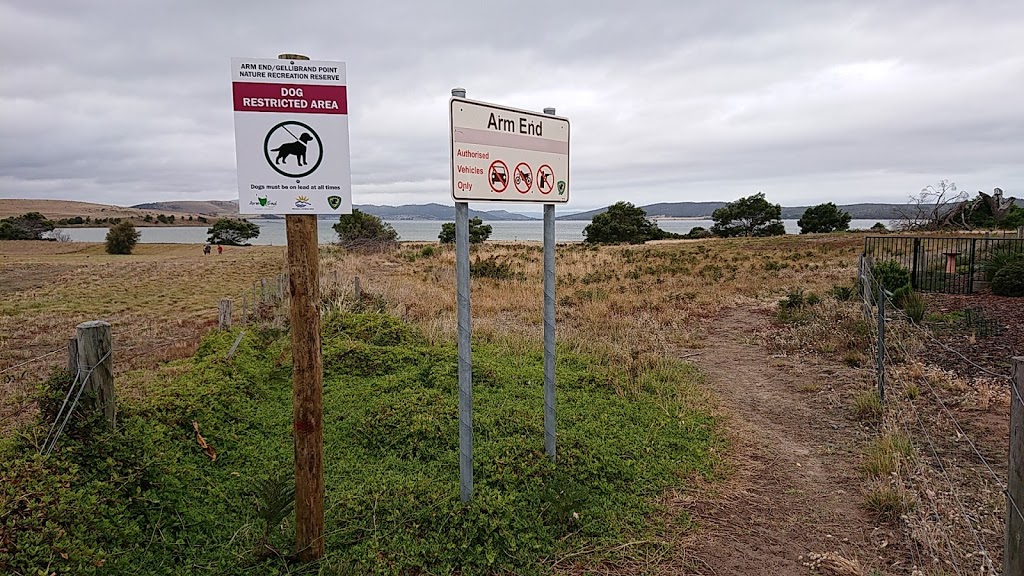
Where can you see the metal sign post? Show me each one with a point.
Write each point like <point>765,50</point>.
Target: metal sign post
<point>465,349</point>
<point>506,155</point>
<point>292,151</point>
<point>549,325</point>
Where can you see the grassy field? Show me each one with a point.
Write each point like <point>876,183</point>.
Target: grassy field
<point>159,299</point>
<point>634,423</point>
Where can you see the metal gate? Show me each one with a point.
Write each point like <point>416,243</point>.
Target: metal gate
<point>951,265</point>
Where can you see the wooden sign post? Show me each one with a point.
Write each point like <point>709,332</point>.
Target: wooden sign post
<point>307,379</point>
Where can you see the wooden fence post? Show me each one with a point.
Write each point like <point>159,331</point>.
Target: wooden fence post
<point>263,290</point>
<point>73,356</point>
<point>245,309</point>
<point>96,364</point>
<point>1013,553</point>
<point>358,289</point>
<point>224,314</point>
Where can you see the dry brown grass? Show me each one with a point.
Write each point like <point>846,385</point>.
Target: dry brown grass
<point>627,304</point>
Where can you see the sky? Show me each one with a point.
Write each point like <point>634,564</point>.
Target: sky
<point>861,101</point>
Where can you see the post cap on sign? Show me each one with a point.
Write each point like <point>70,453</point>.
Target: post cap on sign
<point>292,57</point>
<point>459,92</point>
<point>549,111</point>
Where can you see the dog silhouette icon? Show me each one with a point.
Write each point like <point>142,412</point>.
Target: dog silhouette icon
<point>297,148</point>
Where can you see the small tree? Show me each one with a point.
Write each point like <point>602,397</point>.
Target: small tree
<point>148,218</point>
<point>478,232</point>
<point>122,237</point>
<point>232,232</point>
<point>823,218</point>
<point>362,229</point>
<point>935,208</point>
<point>750,216</point>
<point>623,223</point>
<point>879,227</point>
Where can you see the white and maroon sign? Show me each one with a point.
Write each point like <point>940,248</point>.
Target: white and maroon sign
<point>291,136</point>
<point>508,155</point>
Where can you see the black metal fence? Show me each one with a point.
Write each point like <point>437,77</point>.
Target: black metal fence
<point>949,265</point>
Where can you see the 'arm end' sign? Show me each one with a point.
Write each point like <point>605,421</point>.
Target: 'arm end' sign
<point>508,155</point>
<point>291,136</point>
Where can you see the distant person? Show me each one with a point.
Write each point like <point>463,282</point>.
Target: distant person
<point>220,248</point>
<point>206,250</point>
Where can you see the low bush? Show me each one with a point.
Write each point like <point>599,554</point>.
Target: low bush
<point>844,292</point>
<point>494,268</point>
<point>914,306</point>
<point>891,275</point>
<point>1009,281</point>
<point>1000,258</point>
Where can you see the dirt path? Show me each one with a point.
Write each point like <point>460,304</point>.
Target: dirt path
<point>796,491</point>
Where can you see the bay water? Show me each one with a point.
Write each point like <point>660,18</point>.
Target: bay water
<point>272,232</point>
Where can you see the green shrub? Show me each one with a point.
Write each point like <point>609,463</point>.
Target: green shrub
<point>797,299</point>
<point>1000,258</point>
<point>427,251</point>
<point>492,267</point>
<point>914,306</point>
<point>843,292</point>
<point>1010,280</point>
<point>478,232</point>
<point>891,275</point>
<point>361,229</point>
<point>121,238</point>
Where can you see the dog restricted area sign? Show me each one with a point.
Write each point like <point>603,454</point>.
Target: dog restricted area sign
<point>291,136</point>
<point>508,155</point>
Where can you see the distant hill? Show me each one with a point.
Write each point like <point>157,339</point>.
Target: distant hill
<point>705,209</point>
<point>61,209</point>
<point>204,207</point>
<point>434,211</point>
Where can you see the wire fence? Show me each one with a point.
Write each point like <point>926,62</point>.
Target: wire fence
<point>896,341</point>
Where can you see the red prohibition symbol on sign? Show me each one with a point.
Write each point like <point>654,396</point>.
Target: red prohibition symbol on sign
<point>497,175</point>
<point>545,179</point>
<point>523,177</point>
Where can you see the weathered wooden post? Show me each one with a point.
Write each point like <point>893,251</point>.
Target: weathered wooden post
<point>1013,554</point>
<point>224,314</point>
<point>358,289</point>
<point>245,309</point>
<point>96,365</point>
<point>72,356</point>
<point>263,290</point>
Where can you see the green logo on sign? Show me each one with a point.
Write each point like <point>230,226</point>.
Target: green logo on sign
<point>334,202</point>
<point>263,200</point>
<point>561,187</point>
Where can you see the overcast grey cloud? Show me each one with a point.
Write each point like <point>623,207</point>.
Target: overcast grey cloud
<point>128,102</point>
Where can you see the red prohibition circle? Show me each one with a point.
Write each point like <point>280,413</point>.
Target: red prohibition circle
<point>545,179</point>
<point>497,175</point>
<point>523,177</point>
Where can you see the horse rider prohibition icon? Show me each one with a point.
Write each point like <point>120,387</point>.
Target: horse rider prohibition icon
<point>293,139</point>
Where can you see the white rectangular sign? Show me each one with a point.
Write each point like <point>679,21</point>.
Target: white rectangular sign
<point>291,136</point>
<point>508,155</point>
